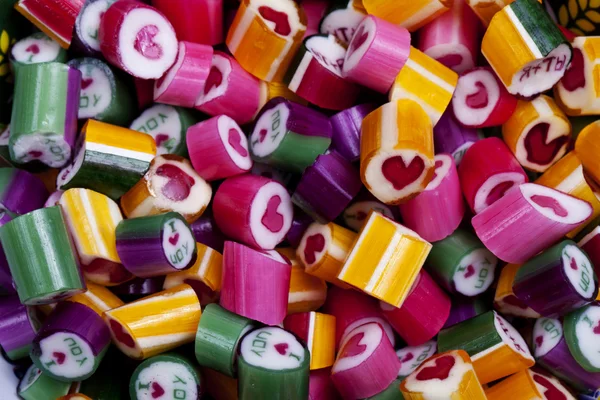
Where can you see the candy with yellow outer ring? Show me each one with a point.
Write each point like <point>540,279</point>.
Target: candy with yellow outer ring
<point>410,15</point>
<point>98,298</point>
<point>318,331</point>
<point>265,36</point>
<point>396,151</point>
<point>587,146</point>
<point>385,249</point>
<point>529,384</point>
<point>537,133</point>
<point>279,89</point>
<point>505,300</point>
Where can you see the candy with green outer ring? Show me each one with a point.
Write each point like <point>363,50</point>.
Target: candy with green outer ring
<point>170,375</point>
<point>36,385</point>
<point>36,49</point>
<point>582,334</point>
<point>218,337</point>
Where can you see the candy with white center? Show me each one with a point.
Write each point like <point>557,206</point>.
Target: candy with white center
<point>505,300</point>
<point>155,324</point>
<point>452,38</point>
<point>168,126</point>
<point>254,210</point>
<point>35,49</point>
<point>366,363</point>
<point>255,283</point>
<point>412,18</point>
<point>317,330</point>
<point>170,184</point>
<point>104,96</point>
<point>426,81</point>
<point>568,277</point>
<point>346,126</point>
<point>87,25</point>
<point>166,376</point>
<point>289,136</point>
<point>487,171</point>
<point>18,326</point>
<point>180,85</point>
<point>55,18</point>
<point>218,148</point>
<point>582,328</point>
<point>449,375</point>
<point>538,133</point>
<point>342,19</point>
<point>527,220</point>
<point>396,154</point>
<point>496,348</point>
<point>20,191</point>
<point>138,39</point>
<point>413,356</point>
<point>71,343</point>
<point>196,21</point>
<point>35,386</point>
<point>121,154</point>
<point>481,100</point>
<point>376,54</point>
<point>437,211</point>
<point>307,292</point>
<point>315,74</point>
<point>155,245</point>
<point>526,49</point>
<point>530,384</point>
<point>44,121</point>
<point>230,90</point>
<point>356,213</point>
<point>422,314</point>
<point>265,35</point>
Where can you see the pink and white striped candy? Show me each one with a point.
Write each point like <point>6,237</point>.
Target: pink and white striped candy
<point>376,54</point>
<point>255,283</point>
<point>487,171</point>
<point>218,148</point>
<point>437,211</point>
<point>481,99</point>
<point>527,220</point>
<point>366,363</point>
<point>254,210</point>
<point>138,38</point>
<point>230,90</point>
<point>181,85</point>
<point>452,38</point>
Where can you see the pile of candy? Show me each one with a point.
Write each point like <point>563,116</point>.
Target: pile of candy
<point>382,199</point>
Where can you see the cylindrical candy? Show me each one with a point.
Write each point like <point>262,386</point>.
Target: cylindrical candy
<point>196,21</point>
<point>346,126</point>
<point>581,330</point>
<point>320,386</point>
<point>41,256</point>
<point>529,384</point>
<point>104,96</point>
<point>449,136</point>
<point>218,148</point>
<point>437,211</point>
<point>71,343</point>
<point>481,100</point>
<point>366,363</point>
<point>289,136</point>
<point>155,245</point>
<point>171,184</point>
<point>538,133</point>
<point>181,84</point>
<point>487,171</point>
<point>138,39</point>
<point>449,375</point>
<point>36,49</point>
<point>92,219</point>
<point>384,249</point>
<point>356,213</point>
<point>569,281</point>
<point>98,298</point>
<point>85,38</point>
<point>18,326</point>
<point>207,232</point>
<point>44,117</point>
<point>413,356</point>
<point>36,385</point>
<point>307,292</point>
<point>109,159</point>
<point>272,364</point>
<point>396,151</point>
<point>254,210</point>
<point>20,192</point>
<point>586,145</point>
<point>317,330</point>
<point>155,324</point>
<point>168,126</point>
<point>376,54</point>
<point>170,375</point>
<point>56,18</point>
<point>464,308</point>
<point>230,90</point>
<point>265,36</point>
<point>486,10</point>
<point>527,220</point>
<point>526,49</point>
<point>412,17</point>
<point>505,300</point>
<point>496,348</point>
<point>426,81</point>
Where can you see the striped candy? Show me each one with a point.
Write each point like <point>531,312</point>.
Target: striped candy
<point>98,298</point>
<point>318,331</point>
<point>412,15</point>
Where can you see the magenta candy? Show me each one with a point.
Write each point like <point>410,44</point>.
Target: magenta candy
<point>255,284</point>
<point>451,137</point>
<point>320,386</point>
<point>196,21</point>
<point>346,127</point>
<point>315,11</point>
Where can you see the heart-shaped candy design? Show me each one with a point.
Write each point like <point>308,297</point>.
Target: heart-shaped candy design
<point>314,244</point>
<point>281,348</point>
<point>450,60</point>
<point>401,175</point>
<point>121,334</point>
<point>361,215</point>
<point>573,264</point>
<point>438,164</point>
<point>498,191</point>
<point>33,48</point>
<point>551,392</point>
<point>145,45</point>
<point>358,40</point>
<point>538,151</point>
<point>215,78</point>
<point>574,77</point>
<point>441,369</point>
<point>407,357</point>
<point>272,219</point>
<point>35,153</point>
<point>174,239</point>
<point>597,328</point>
<point>262,135</point>
<point>85,83</point>
<point>479,99</point>
<point>235,141</point>
<point>280,19</point>
<point>551,203</point>
<point>539,340</point>
<point>469,272</point>
<point>353,347</point>
<point>161,138</point>
<point>157,390</point>
<point>179,184</point>
<point>60,357</point>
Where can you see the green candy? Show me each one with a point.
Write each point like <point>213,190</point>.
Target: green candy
<point>391,393</point>
<point>582,334</point>
<point>36,385</point>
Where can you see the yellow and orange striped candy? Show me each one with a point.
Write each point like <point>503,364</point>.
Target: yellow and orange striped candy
<point>307,292</point>
<point>528,384</point>
<point>567,176</point>
<point>396,151</point>
<point>505,300</point>
<point>204,276</point>
<point>426,81</point>
<point>323,250</point>
<point>98,298</point>
<point>409,14</point>
<point>155,324</point>
<point>449,375</point>
<point>265,36</point>
<point>318,331</point>
<point>385,259</point>
<point>587,148</point>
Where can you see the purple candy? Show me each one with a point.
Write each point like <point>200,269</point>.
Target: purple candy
<point>452,138</point>
<point>464,308</point>
<point>346,127</point>
<point>16,327</point>
<point>208,233</point>
<point>20,191</point>
<point>300,223</point>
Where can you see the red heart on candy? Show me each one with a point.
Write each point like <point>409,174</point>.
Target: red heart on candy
<point>573,264</point>
<point>272,219</point>
<point>353,346</point>
<point>551,203</point>
<point>479,99</point>
<point>121,334</point>
<point>401,175</point>
<point>361,215</point>
<point>262,135</point>
<point>85,83</point>
<point>60,357</point>
<point>174,239</point>
<point>597,329</point>
<point>235,141</point>
<point>539,340</point>
<point>407,357</point>
<point>314,244</point>
<point>160,139</point>
<point>157,390</point>
<point>281,348</point>
<point>470,271</point>
<point>215,78</point>
<point>282,25</point>
<point>538,151</point>
<point>359,39</point>
<point>33,48</point>
<point>498,192</point>
<point>179,185</point>
<point>551,392</point>
<point>441,370</point>
<point>145,45</point>
<point>450,60</point>
<point>574,77</point>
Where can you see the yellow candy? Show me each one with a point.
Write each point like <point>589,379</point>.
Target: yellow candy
<point>587,148</point>
<point>98,298</point>
<point>526,384</point>
<point>505,300</point>
<point>410,14</point>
